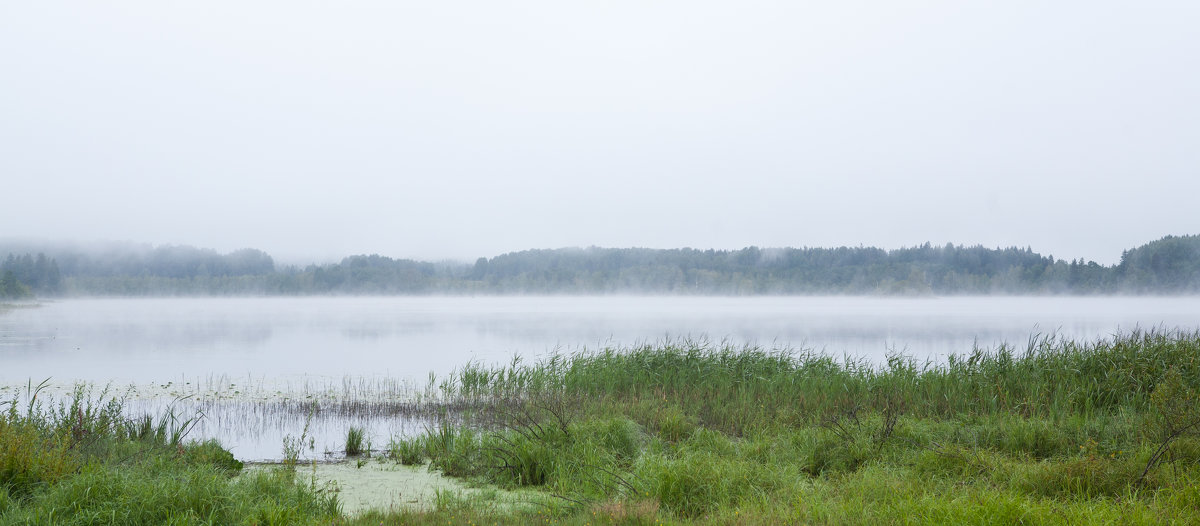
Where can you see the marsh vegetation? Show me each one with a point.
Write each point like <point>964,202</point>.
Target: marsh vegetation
<point>1051,431</point>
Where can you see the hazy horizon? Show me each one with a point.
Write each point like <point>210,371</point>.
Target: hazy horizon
<point>468,129</point>
<point>93,246</point>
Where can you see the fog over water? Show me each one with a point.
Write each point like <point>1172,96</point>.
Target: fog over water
<point>251,365</point>
<point>459,129</point>
<point>406,338</point>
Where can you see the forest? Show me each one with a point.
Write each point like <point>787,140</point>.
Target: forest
<point>1170,265</point>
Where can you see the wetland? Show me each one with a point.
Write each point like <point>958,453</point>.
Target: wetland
<point>610,409</point>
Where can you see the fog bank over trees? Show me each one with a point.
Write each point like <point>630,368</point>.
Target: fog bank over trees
<point>1170,265</point>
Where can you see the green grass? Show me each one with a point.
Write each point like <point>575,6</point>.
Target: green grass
<point>82,462</point>
<point>408,452</point>
<point>1104,432</point>
<point>354,441</point>
<point>1084,432</point>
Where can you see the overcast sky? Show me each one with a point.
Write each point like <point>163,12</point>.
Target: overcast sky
<point>457,129</point>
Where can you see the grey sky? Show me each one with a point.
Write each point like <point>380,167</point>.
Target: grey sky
<point>462,129</point>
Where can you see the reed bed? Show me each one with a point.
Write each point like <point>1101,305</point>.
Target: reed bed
<point>685,431</point>
<point>1049,377</point>
<point>1050,431</point>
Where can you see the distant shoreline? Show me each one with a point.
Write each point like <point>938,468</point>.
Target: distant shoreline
<point>1168,266</point>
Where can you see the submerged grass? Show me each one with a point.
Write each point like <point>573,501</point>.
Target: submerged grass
<point>1053,432</point>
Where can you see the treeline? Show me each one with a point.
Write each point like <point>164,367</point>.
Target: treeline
<point>127,269</point>
<point>168,261</point>
<point>26,275</point>
<point>1170,265</point>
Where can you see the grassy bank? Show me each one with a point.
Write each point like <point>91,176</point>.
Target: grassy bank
<point>1052,432</point>
<point>85,462</point>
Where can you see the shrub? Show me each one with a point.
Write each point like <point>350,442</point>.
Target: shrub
<point>28,459</point>
<point>211,453</point>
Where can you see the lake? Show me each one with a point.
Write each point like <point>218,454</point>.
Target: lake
<point>157,340</point>
<point>284,346</point>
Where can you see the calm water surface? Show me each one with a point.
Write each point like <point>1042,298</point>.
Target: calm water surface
<point>142,340</point>
<point>264,350</point>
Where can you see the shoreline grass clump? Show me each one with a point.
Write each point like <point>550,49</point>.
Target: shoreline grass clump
<point>354,441</point>
<point>406,451</point>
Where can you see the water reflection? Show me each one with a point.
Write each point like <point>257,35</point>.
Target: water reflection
<point>145,340</point>
<point>252,365</point>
